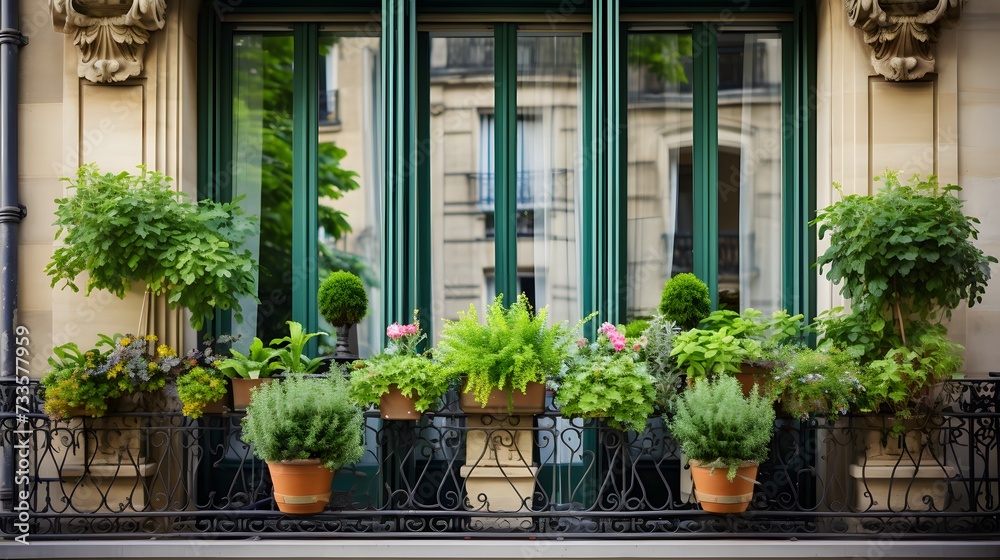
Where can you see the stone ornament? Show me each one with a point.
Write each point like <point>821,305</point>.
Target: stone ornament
<point>111,35</point>
<point>902,33</point>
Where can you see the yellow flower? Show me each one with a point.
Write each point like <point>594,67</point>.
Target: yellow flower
<point>125,341</point>
<point>151,338</point>
<point>165,351</point>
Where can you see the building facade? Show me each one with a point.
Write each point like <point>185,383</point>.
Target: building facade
<point>579,152</point>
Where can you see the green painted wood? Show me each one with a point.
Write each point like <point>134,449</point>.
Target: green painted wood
<point>806,23</point>
<point>706,157</point>
<point>305,195</point>
<point>399,279</point>
<point>589,300</point>
<point>505,173</point>
<point>422,226</point>
<point>791,226</point>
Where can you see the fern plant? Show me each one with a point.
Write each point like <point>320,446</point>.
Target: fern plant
<point>513,348</point>
<point>720,428</point>
<point>608,380</point>
<point>305,418</point>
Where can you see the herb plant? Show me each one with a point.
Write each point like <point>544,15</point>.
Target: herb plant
<point>514,347</point>
<point>719,427</point>
<point>685,300</point>
<point>123,228</point>
<point>414,374</point>
<point>305,418</point>
<point>608,379</point>
<point>342,299</point>
<point>659,342</point>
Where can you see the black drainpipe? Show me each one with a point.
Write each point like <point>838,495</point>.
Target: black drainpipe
<point>11,213</point>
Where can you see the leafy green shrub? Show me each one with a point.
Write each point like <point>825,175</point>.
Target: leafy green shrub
<point>128,228</point>
<point>685,300</point>
<point>899,379</point>
<point>513,348</point>
<point>719,427</point>
<point>304,418</point>
<point>342,299</point>
<point>636,327</point>
<point>706,354</point>
<point>199,387</point>
<point>415,374</point>
<point>608,380</point>
<point>818,383</point>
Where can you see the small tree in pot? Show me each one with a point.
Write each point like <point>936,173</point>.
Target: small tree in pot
<point>343,302</point>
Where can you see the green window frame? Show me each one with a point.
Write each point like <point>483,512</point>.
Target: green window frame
<point>405,48</point>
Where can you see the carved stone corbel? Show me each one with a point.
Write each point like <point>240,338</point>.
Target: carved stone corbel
<point>111,35</point>
<point>902,33</point>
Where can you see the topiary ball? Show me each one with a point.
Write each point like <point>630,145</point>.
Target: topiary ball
<point>685,300</point>
<point>343,299</point>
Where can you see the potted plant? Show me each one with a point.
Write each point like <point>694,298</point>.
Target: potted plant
<point>202,390</point>
<point>289,351</point>
<point>507,360</point>
<point>305,428</point>
<point>818,383</point>
<point>725,436</point>
<point>343,302</point>
<point>906,258</point>
<point>404,382</point>
<point>608,379</point>
<point>86,382</point>
<point>657,345</point>
<point>124,228</point>
<point>248,370</point>
<point>705,354</point>
<point>685,300</point>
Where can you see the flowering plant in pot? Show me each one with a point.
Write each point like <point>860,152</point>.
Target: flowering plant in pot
<point>725,436</point>
<point>511,356</point>
<point>403,381</point>
<point>818,383</point>
<point>608,379</point>
<point>85,382</point>
<point>305,428</point>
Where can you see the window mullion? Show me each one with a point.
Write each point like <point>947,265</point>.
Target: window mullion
<point>706,157</point>
<point>505,172</point>
<point>305,147</point>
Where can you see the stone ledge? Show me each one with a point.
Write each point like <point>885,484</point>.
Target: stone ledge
<point>496,549</point>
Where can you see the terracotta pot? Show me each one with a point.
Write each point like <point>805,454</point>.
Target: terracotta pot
<point>394,405</point>
<point>716,494</point>
<point>218,406</point>
<point>507,401</point>
<point>301,486</point>
<point>750,374</point>
<point>241,390</point>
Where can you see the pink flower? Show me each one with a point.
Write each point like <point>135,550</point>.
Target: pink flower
<point>636,347</point>
<point>619,343</point>
<point>395,331</point>
<point>582,342</point>
<point>607,328</point>
<point>410,329</point>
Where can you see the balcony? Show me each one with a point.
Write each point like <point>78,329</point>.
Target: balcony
<point>162,475</point>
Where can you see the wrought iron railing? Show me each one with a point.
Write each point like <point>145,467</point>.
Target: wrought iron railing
<point>453,475</point>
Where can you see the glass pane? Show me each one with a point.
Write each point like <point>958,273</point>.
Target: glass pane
<point>660,195</point>
<point>750,171</point>
<point>548,181</point>
<point>349,162</point>
<point>461,151</point>
<point>262,173</point>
